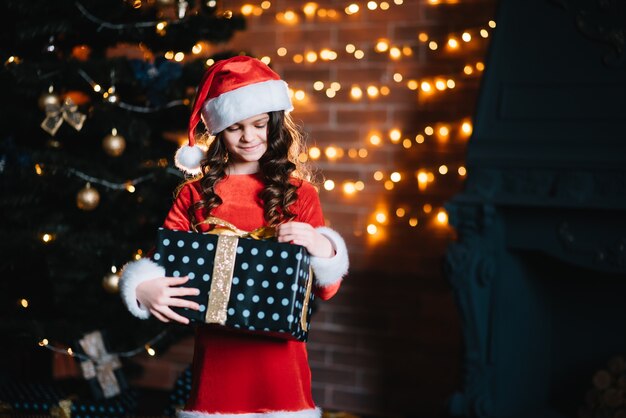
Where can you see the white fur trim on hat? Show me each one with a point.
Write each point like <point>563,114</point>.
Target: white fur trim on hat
<point>133,274</point>
<point>236,105</point>
<point>188,158</point>
<point>329,271</point>
<point>305,413</point>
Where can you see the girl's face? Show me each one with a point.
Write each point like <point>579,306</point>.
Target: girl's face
<point>246,140</point>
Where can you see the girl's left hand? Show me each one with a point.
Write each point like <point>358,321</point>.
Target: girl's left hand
<point>302,233</point>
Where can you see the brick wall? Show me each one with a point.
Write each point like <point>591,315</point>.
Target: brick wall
<point>389,343</point>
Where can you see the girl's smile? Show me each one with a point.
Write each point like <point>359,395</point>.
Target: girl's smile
<point>246,142</point>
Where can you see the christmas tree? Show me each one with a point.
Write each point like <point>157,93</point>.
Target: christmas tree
<point>96,100</point>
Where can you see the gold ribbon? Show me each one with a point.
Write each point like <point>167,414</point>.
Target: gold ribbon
<point>103,364</point>
<point>55,115</point>
<point>224,266</point>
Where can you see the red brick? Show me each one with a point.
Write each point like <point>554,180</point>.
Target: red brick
<point>361,34</point>
<point>336,376</point>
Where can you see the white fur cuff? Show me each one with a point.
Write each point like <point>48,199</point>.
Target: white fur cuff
<point>329,271</point>
<point>305,413</point>
<point>133,274</point>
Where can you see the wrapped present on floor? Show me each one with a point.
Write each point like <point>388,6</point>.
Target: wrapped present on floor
<point>246,281</point>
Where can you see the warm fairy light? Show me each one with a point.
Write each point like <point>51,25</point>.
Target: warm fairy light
<point>359,185</point>
<point>398,2</point>
<point>444,131</point>
<point>381,217</point>
<point>372,91</point>
<point>453,43</point>
<point>462,171</point>
<point>426,86</point>
<point>47,238</point>
<point>406,143</point>
<point>492,24</point>
<point>468,69</point>
<point>450,83</point>
<point>353,153</point>
<point>315,153</point>
<point>397,77</point>
<point>378,175</point>
<point>352,9</point>
<point>70,351</point>
<point>318,85</point>
<point>372,5</point>
<point>97,88</point>
<point>299,95</point>
<point>442,217</point>
<point>38,169</point>
<point>24,303</point>
<point>196,49</point>
<point>419,138</point>
<point>213,3</point>
<point>363,152</point>
<point>429,130</point>
<point>303,157</point>
<point>359,54</point>
<point>328,55</point>
<point>150,350</point>
<point>400,212</point>
<point>466,36</point>
<point>422,180</point>
<point>427,208</point>
<point>266,60</point>
<point>431,176</point>
<point>433,45</point>
<point>44,342</point>
<point>298,58</point>
<point>395,53</point>
<point>130,188</point>
<point>179,56</point>
<point>395,135</point>
<point>350,48</point>
<point>412,84</point>
<point>169,55</point>
<point>443,169</point>
<point>382,45</point>
<point>384,90</point>
<point>389,185</point>
<point>484,33</point>
<point>375,139</point>
<point>384,5</point>
<point>407,50</point>
<point>335,86</point>
<point>290,16</point>
<point>330,93</point>
<point>348,188</point>
<point>310,8</point>
<point>440,85</point>
<point>395,177</point>
<point>423,37</point>
<point>433,1</point>
<point>266,5</point>
<point>160,27</point>
<point>282,51</point>
<point>210,62</point>
<point>466,128</point>
<point>311,56</point>
<point>331,153</point>
<point>247,9</point>
<point>356,92</point>
<point>413,222</point>
<point>329,185</point>
<point>480,66</point>
<point>372,229</point>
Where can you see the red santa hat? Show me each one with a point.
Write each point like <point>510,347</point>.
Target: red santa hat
<point>231,90</point>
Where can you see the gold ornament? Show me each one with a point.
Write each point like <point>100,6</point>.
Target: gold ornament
<point>114,144</point>
<point>110,283</point>
<point>87,198</point>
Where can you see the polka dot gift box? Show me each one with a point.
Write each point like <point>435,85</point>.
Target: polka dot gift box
<point>248,284</point>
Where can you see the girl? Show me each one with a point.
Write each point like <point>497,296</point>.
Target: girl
<point>250,177</point>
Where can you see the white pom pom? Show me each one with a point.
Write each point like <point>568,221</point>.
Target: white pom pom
<point>188,159</point>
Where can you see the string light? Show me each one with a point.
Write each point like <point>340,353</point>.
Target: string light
<point>372,229</point>
<point>315,153</point>
<point>329,185</point>
<point>413,222</point>
<point>442,217</point>
<point>24,303</point>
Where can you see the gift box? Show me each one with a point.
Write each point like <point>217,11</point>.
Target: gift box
<point>245,283</point>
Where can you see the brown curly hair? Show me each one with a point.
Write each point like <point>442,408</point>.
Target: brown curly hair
<point>278,165</point>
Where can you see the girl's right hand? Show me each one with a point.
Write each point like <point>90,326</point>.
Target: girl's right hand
<point>159,294</point>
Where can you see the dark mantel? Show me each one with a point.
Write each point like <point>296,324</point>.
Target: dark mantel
<point>539,269</point>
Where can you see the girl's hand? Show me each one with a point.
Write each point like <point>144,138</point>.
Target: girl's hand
<point>158,295</point>
<point>304,234</point>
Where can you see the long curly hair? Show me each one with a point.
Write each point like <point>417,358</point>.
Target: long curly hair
<point>278,166</point>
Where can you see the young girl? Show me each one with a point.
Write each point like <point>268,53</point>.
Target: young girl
<point>251,177</point>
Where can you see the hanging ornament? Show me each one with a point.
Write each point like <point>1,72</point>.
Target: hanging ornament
<point>103,369</point>
<point>114,144</point>
<point>110,283</point>
<point>56,112</point>
<point>87,198</point>
<point>182,8</point>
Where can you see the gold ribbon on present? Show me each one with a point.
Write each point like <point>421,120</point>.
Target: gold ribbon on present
<point>224,266</point>
<point>56,114</point>
<point>102,364</point>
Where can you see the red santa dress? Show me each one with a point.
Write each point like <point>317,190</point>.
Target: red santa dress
<point>237,374</point>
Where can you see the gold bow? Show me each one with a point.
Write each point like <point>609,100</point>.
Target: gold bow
<point>102,364</point>
<point>55,115</point>
<point>224,266</point>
